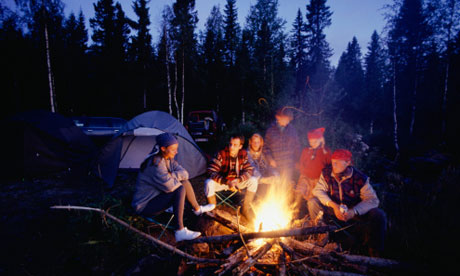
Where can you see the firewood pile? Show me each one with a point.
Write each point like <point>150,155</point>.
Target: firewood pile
<point>296,251</point>
<point>231,248</point>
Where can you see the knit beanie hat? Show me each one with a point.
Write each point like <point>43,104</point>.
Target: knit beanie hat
<point>341,154</point>
<point>166,139</point>
<point>316,133</point>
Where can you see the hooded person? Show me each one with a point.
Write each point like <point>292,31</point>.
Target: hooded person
<point>162,183</point>
<point>345,193</point>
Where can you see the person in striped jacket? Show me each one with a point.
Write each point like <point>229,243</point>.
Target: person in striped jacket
<point>231,170</point>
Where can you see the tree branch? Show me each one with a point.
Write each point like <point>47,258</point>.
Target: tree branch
<point>145,235</point>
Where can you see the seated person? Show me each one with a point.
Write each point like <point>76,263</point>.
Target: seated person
<point>231,170</point>
<point>162,182</point>
<point>263,171</point>
<point>344,192</point>
<point>312,161</point>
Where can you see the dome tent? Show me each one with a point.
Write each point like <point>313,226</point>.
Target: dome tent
<point>135,141</point>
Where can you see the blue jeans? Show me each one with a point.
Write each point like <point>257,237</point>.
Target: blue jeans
<point>163,201</point>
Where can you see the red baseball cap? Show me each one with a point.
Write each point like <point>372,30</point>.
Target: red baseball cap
<point>341,154</point>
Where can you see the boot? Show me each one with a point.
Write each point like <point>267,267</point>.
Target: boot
<point>247,211</point>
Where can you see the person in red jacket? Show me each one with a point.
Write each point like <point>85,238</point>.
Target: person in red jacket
<point>312,161</point>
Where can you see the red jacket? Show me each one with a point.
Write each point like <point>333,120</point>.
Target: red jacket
<point>312,161</point>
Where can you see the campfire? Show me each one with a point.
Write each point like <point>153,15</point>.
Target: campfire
<point>275,210</point>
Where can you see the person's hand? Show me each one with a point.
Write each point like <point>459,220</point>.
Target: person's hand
<point>272,163</point>
<point>232,184</point>
<point>337,212</point>
<point>349,215</point>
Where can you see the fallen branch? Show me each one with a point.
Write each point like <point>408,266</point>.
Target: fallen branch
<point>321,272</point>
<point>269,234</point>
<point>145,235</point>
<point>239,232</point>
<point>369,261</point>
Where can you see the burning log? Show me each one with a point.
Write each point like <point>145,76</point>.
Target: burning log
<point>269,234</point>
<point>237,257</point>
<point>246,265</point>
<point>282,264</point>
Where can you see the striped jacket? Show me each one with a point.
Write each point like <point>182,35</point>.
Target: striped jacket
<point>221,170</point>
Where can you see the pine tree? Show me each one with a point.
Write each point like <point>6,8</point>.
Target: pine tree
<point>213,54</point>
<point>318,18</point>
<point>184,24</point>
<point>350,76</point>
<point>231,32</point>
<point>141,46</point>
<point>408,41</point>
<point>266,31</point>
<point>373,81</point>
<point>298,55</point>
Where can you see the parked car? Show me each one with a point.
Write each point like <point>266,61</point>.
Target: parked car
<point>204,125</point>
<point>99,126</point>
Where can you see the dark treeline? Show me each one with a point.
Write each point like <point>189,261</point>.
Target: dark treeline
<point>402,95</point>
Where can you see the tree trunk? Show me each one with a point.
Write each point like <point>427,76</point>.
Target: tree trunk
<point>168,77</point>
<point>395,118</point>
<point>414,101</point>
<point>183,90</point>
<point>444,101</point>
<point>175,89</point>
<point>50,72</point>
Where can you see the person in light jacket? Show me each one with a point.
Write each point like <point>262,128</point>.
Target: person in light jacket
<point>345,193</point>
<point>162,183</point>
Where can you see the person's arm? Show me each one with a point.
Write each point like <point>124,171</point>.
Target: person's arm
<point>214,168</point>
<point>321,191</point>
<point>267,150</point>
<point>178,171</point>
<point>246,169</point>
<point>369,199</point>
<point>162,178</point>
<point>295,143</point>
<point>255,172</point>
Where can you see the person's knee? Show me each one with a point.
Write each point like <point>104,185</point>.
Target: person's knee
<point>377,217</point>
<point>209,187</point>
<point>252,184</point>
<point>180,190</point>
<point>314,206</point>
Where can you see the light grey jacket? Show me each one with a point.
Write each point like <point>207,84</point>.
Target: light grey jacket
<point>369,199</point>
<point>160,176</point>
